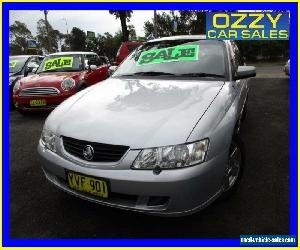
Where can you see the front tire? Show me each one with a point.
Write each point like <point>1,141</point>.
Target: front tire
<point>244,114</point>
<point>20,111</point>
<point>81,86</point>
<point>234,169</point>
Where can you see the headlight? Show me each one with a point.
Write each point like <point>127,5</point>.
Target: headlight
<point>169,157</point>
<point>17,86</point>
<point>67,84</point>
<point>48,139</point>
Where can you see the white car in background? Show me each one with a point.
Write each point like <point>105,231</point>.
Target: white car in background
<point>286,68</point>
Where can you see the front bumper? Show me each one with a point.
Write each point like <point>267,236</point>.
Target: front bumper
<point>171,193</point>
<point>23,102</point>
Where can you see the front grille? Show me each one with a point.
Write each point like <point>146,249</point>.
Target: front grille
<point>39,91</point>
<point>102,152</point>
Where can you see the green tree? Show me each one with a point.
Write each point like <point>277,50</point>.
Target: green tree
<point>124,16</point>
<point>54,35</point>
<point>194,21</point>
<point>77,39</point>
<point>164,25</point>
<point>112,44</point>
<point>18,34</point>
<point>106,44</point>
<point>188,22</point>
<point>132,32</point>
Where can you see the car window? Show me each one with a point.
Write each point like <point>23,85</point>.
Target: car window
<point>16,63</point>
<point>198,58</point>
<point>132,47</point>
<point>93,60</point>
<point>236,55</point>
<point>40,59</point>
<point>34,62</point>
<point>61,63</point>
<point>103,60</point>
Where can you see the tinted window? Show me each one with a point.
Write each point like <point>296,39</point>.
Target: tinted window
<point>93,60</point>
<point>132,47</point>
<point>236,55</point>
<point>103,61</point>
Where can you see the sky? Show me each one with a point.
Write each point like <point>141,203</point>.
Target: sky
<point>99,21</point>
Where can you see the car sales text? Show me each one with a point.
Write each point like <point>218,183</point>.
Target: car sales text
<point>248,26</point>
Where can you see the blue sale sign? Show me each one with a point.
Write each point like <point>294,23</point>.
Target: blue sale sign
<point>247,25</point>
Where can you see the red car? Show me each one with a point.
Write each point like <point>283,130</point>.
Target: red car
<point>59,76</point>
<point>125,49</point>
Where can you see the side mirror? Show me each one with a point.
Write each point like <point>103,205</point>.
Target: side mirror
<point>112,70</point>
<point>245,72</point>
<point>92,67</point>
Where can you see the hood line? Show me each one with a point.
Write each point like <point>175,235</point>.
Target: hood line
<point>204,113</point>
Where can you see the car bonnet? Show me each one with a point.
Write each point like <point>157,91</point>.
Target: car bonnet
<point>139,113</point>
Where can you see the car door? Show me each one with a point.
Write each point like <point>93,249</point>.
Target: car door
<point>100,73</point>
<point>240,85</point>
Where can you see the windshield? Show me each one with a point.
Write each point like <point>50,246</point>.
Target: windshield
<point>16,63</point>
<point>61,63</point>
<point>184,58</point>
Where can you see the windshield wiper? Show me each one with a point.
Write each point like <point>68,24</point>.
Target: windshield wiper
<point>150,73</point>
<point>201,75</point>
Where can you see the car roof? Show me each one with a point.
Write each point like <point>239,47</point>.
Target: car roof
<point>182,37</point>
<point>73,53</point>
<point>24,55</point>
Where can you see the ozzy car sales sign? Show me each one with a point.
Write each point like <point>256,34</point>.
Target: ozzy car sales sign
<point>247,25</point>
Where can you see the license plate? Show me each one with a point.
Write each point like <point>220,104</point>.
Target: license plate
<point>39,102</point>
<point>88,184</point>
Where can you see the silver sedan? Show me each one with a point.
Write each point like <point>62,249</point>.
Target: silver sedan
<point>160,136</point>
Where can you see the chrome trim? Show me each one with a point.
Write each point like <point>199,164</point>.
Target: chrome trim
<point>39,91</point>
<point>85,163</point>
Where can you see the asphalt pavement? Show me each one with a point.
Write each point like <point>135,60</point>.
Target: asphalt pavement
<point>261,205</point>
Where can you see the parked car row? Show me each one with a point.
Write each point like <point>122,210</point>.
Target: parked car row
<point>59,76</point>
<point>19,67</point>
<point>160,136</point>
<point>52,79</point>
